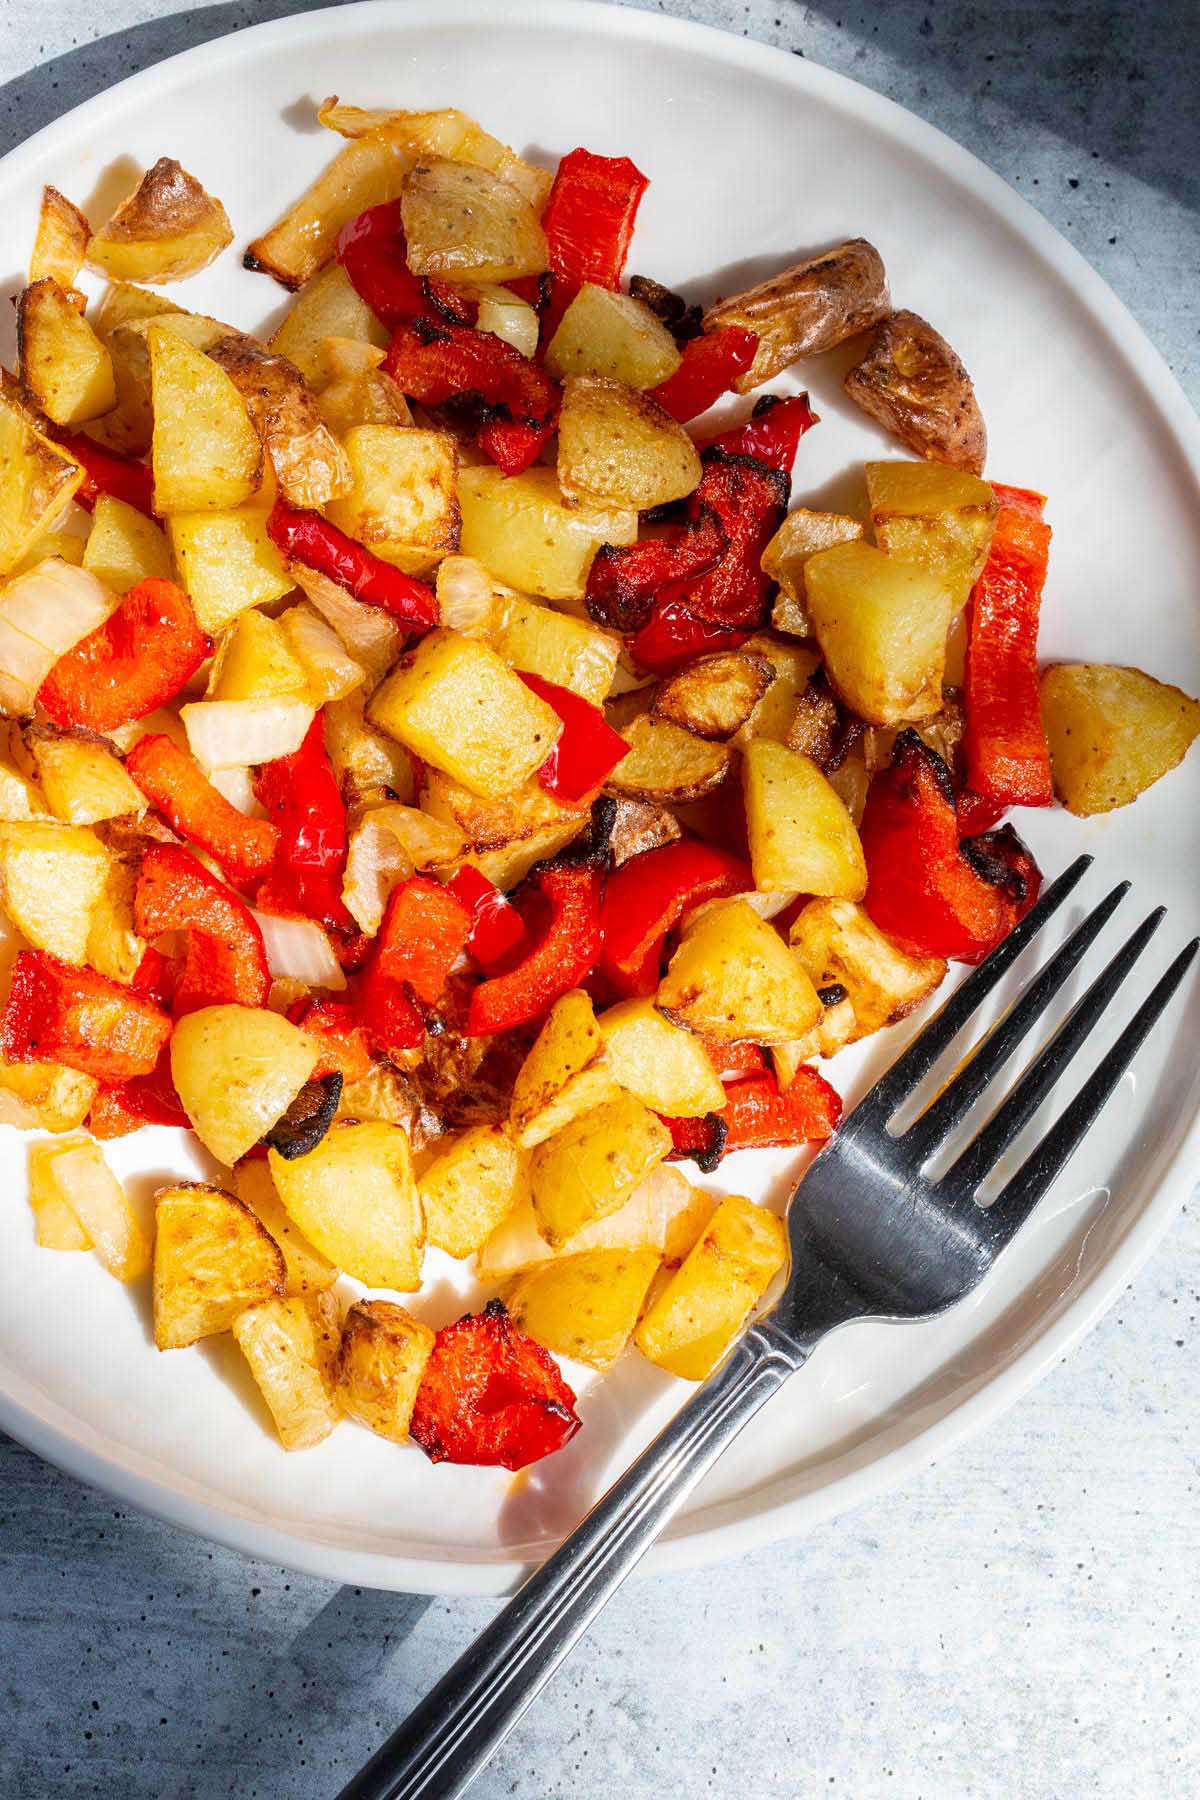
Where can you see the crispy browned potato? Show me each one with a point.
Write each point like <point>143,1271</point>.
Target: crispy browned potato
<point>504,837</point>
<point>379,1365</point>
<point>61,243</point>
<point>1112,732</point>
<point>367,172</point>
<point>169,227</point>
<point>839,945</point>
<point>212,1259</point>
<point>64,365</point>
<point>640,825</point>
<point>667,763</point>
<point>715,695</point>
<point>39,479</point>
<point>914,384</point>
<point>808,308</point>
<point>816,726</point>
<point>619,447</point>
<point>310,465</point>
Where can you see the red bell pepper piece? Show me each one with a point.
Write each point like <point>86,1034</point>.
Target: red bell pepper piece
<point>155,978</point>
<point>305,537</point>
<point>757,1115</point>
<point>975,813</point>
<point>1005,741</point>
<point>58,1013</point>
<point>345,1050</point>
<point>174,782</point>
<point>733,1062</point>
<point>136,661</point>
<point>772,433</point>
<point>750,499</point>
<point>302,797</point>
<point>490,1395</point>
<point>512,402</point>
<point>923,887</point>
<point>424,932</point>
<point>588,749</point>
<point>108,472</point>
<point>648,896</point>
<point>126,1106</point>
<point>496,926</point>
<point>372,250</point>
<point>625,579</point>
<point>225,960</point>
<point>563,954</point>
<point>673,636</point>
<point>589,218</point>
<point>711,364</point>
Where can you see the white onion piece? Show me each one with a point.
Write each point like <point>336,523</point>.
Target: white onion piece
<point>465,595</point>
<point>43,614</point>
<point>300,950</point>
<point>507,316</point>
<point>765,905</point>
<point>229,734</point>
<point>645,1220</point>
<point>376,862</point>
<point>371,637</point>
<point>331,671</point>
<point>237,785</point>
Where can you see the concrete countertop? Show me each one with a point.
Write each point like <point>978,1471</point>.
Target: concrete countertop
<point>1019,1623</point>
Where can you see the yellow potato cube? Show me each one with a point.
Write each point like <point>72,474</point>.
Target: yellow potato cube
<point>404,503</point>
<point>82,781</point>
<point>227,563</point>
<point>355,1197</point>
<point>603,332</point>
<point>592,1165</point>
<point>585,1305</point>
<point>290,1345</point>
<point>565,1073</point>
<point>124,546</point>
<point>800,536</point>
<point>938,517</point>
<point>63,363</point>
<point>528,536</point>
<point>471,1184</point>
<point>618,447</point>
<point>733,979</point>
<point>699,1312</point>
<point>1112,733</point>
<point>237,1069</point>
<point>212,1259</point>
<point>571,652</point>
<point>379,1366</point>
<point>206,454</point>
<point>802,839</point>
<point>668,1070</point>
<point>51,878</point>
<point>256,662</point>
<point>839,944</point>
<point>882,627</point>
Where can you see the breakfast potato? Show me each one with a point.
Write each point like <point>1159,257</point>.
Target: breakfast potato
<point>839,945</point>
<point>82,780</point>
<point>310,465</point>
<point>51,877</point>
<point>60,246</point>
<point>305,1269</point>
<point>733,979</point>
<point>714,696</point>
<point>806,309</point>
<point>44,1096</point>
<point>567,1072</point>
<point>457,706</point>
<point>882,628</point>
<point>604,332</point>
<point>401,498</point>
<point>371,769</point>
<point>355,1197</point>
<point>64,366</point>
<point>914,385</point>
<point>212,1259</point>
<point>1112,732</point>
<point>504,837</point>
<point>55,1225</point>
<point>39,483</point>
<point>124,547</point>
<point>698,1313</point>
<point>584,1305</point>
<point>793,667</point>
<point>113,946</point>
<point>379,1365</point>
<point>831,1033</point>
<point>236,1070</point>
<point>290,1345</point>
<point>21,798</point>
<point>526,534</point>
<point>326,307</point>
<point>446,132</point>
<point>364,174</point>
<point>77,1172</point>
<point>464,223</point>
<point>802,839</point>
<point>206,454</point>
<point>640,825</point>
<point>939,517</point>
<point>668,1070</point>
<point>470,1186</point>
<point>227,563</point>
<point>800,536</point>
<point>666,763</point>
<point>572,652</point>
<point>255,662</point>
<point>618,447</point>
<point>167,228</point>
<point>665,1213</point>
<point>592,1165</point>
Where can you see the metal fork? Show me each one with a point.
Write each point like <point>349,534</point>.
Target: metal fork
<point>872,1236</point>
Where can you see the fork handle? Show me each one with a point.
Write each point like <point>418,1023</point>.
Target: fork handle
<point>451,1734</point>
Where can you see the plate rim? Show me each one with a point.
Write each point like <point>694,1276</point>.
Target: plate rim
<point>726,1536</point>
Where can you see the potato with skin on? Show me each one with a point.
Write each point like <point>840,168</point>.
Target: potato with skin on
<point>694,1319</point>
<point>64,366</point>
<point>733,980</point>
<point>618,447</point>
<point>326,307</point>
<point>457,706</point>
<point>565,1073</point>
<point>379,1366</point>
<point>401,498</point>
<point>714,696</point>
<point>167,228</point>
<point>586,1305</point>
<point>1113,732</point>
<point>355,1197</point>
<point>794,666</point>
<point>802,839</point>
<point>236,1070</point>
<point>667,764</point>
<point>806,309</point>
<point>51,877</point>
<point>84,783</point>
<point>605,332</point>
<point>124,547</point>
<point>77,1171</point>
<point>527,535</point>
<point>291,1345</point>
<point>44,1096</point>
<point>591,1166</point>
<point>800,536</point>
<point>39,483</point>
<point>938,517</point>
<point>667,1069</point>
<point>212,1259</point>
<point>882,628</point>
<point>310,465</point>
<point>464,223</point>
<point>641,825</point>
<point>504,837</point>
<point>839,944</point>
<point>227,563</point>
<point>305,1269</point>
<point>446,132</point>
<point>572,652</point>
<point>205,453</point>
<point>60,246</point>
<point>916,387</point>
<point>472,1183</point>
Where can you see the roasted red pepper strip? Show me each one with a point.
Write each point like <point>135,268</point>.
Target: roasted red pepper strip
<point>733,1062</point>
<point>58,1013</point>
<point>673,636</point>
<point>588,749</point>
<point>372,250</point>
<point>175,783</point>
<point>305,537</point>
<point>302,798</point>
<point>345,1050</point>
<point>976,814</point>
<point>772,433</point>
<point>921,887</point>
<point>648,896</point>
<point>625,579</point>
<point>108,472</point>
<point>496,926</point>
<point>1005,741</point>
<point>155,978</point>
<point>126,1106</point>
<point>225,960</point>
<point>490,1395</point>
<point>136,661</point>
<point>424,932</point>
<point>711,364</point>
<point>757,1115</point>
<point>589,218</point>
<point>750,499</point>
<point>513,403</point>
<point>564,953</point>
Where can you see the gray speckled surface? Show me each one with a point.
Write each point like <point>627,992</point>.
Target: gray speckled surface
<point>1017,1624</point>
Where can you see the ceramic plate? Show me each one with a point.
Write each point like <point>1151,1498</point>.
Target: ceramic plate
<point>755,157</point>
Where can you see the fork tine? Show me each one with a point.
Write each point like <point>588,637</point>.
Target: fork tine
<point>1020,1195</point>
<point>929,1043</point>
<point>994,1049</point>
<point>1048,1066</point>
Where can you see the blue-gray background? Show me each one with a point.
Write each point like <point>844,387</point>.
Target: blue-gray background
<point>1020,1623</point>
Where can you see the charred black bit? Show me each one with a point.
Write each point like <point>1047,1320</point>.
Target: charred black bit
<point>307,1119</point>
<point>833,994</point>
<point>429,331</point>
<point>495,1309</point>
<point>707,1160</point>
<point>444,301</point>
<point>469,410</point>
<point>766,403</point>
<point>909,747</point>
<point>668,512</point>
<point>592,844</point>
<point>672,310</point>
<point>997,858</point>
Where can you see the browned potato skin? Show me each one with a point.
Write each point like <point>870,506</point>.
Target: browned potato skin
<point>715,695</point>
<point>914,384</point>
<point>640,825</point>
<point>61,243</point>
<point>807,309</point>
<point>168,203</point>
<point>310,465</point>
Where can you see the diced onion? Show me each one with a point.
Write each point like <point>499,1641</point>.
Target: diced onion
<point>645,1220</point>
<point>375,863</point>
<point>465,595</point>
<point>97,1199</point>
<point>331,671</point>
<point>300,950</point>
<point>507,316</point>
<point>237,785</point>
<point>370,636</point>
<point>229,734</point>
<point>765,905</point>
<point>43,614</point>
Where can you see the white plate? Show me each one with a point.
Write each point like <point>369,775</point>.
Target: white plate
<point>754,156</point>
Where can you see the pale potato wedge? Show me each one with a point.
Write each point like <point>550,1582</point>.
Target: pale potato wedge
<point>472,1183</point>
<point>310,465</point>
<point>379,1366</point>
<point>800,536</point>
<point>39,483</point>
<point>355,1197</point>
<point>694,1319</point>
<point>167,228</point>
<point>802,839</point>
<point>733,979</point>
<point>592,1165</point>
<point>227,563</point>
<point>572,652</point>
<point>291,1345</point>
<point>882,629</point>
<point>915,386</point>
<point>56,1225</point>
<point>603,332</point>
<point>938,517</point>
<point>305,1269</point>
<point>124,547</point>
<point>401,498</point>
<point>1112,732</point>
<point>526,534</point>
<point>326,307</point>
<point>237,1069</point>
<point>506,836</point>
<point>364,174</point>
<point>21,797</point>
<point>565,1073</point>
<point>82,780</point>
<point>464,223</point>
<point>256,662</point>
<point>839,945</point>
<point>807,309</point>
<point>666,763</point>
<point>205,452</point>
<point>51,877</point>
<point>618,447</point>
<point>714,696</point>
<point>585,1305</point>
<point>60,246</point>
<point>64,366</point>
<point>212,1259</point>
<point>667,1069</point>
<point>84,1181</point>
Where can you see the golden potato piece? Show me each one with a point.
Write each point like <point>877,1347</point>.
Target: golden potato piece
<point>463,223</point>
<point>56,1224</point>
<point>603,332</point>
<point>802,839</point>
<point>839,945</point>
<point>668,1070</point>
<point>82,780</point>
<point>227,563</point>
<point>44,1096</point>
<point>1112,732</point>
<point>39,483</point>
<point>370,768</point>
<point>124,547</point>
<point>326,307</point>
<point>882,628</point>
<point>355,1197</point>
<point>807,309</point>
<point>668,764</point>
<point>938,517</point>
<point>167,228</point>
<point>699,1312</point>
<point>618,447</point>
<point>911,381</point>
<point>290,1345</point>
<point>401,496</point>
<point>60,245</point>
<point>64,366</point>
<point>206,455</point>
<point>310,465</point>
<point>306,1270</point>
<point>714,696</point>
<point>591,1166</point>
<point>794,666</point>
<point>470,1186</point>
<point>572,652</point>
<point>237,1069</point>
<point>255,662</point>
<point>733,979</point>
<point>800,536</point>
<point>51,877</point>
<point>363,174</point>
<point>565,1073</point>
<point>665,1213</point>
<point>379,1366</point>
<point>527,535</point>
<point>212,1259</point>
<point>83,1179</point>
<point>446,132</point>
<point>586,1305</point>
<point>504,837</point>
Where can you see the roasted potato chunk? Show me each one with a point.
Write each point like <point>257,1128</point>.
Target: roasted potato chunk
<point>379,1366</point>
<point>912,382</point>
<point>463,223</point>
<point>56,1226</point>
<point>802,839</point>
<point>124,547</point>
<point>166,229</point>
<point>237,1069</point>
<point>205,452</point>
<point>1112,732</point>
<point>38,485</point>
<point>77,1171</point>
<point>306,1270</point>
<point>800,536</point>
<point>64,366</point>
<point>668,764</point>
<point>51,877</point>
<point>586,1305</point>
<point>640,825</point>
<point>326,307</point>
<point>401,498</point>
<point>114,947</point>
<point>793,667</point>
<point>290,1345</point>
<point>714,696</point>
<point>212,1259</point>
<point>526,534</point>
<point>618,447</point>
<point>591,1166</point>
<point>355,1197</point>
<point>603,332</point>
<point>668,1070</point>
<point>44,1096</point>
<point>807,309</point>
<point>733,979</point>
<point>473,1182</point>
<point>506,836</point>
<point>62,239</point>
<point>882,629</point>
<point>256,662</point>
<point>839,945</point>
<point>938,517</point>
<point>227,563</point>
<point>363,174</point>
<point>572,652</point>
<point>699,1312</point>
<point>82,780</point>
<point>310,465</point>
<point>565,1073</point>
<point>665,1214</point>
